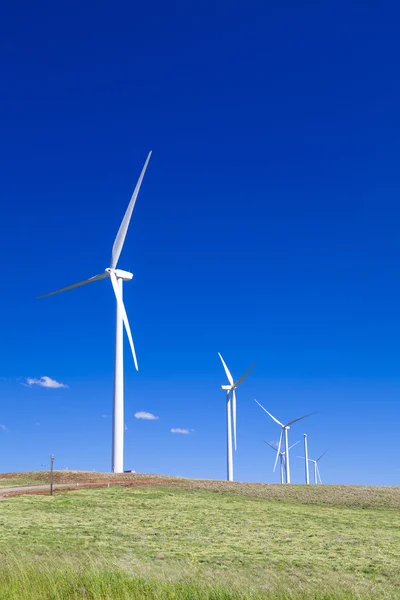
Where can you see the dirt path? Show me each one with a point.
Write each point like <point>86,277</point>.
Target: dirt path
<point>22,489</point>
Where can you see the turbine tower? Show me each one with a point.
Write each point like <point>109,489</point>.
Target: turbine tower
<point>306,459</point>
<point>231,413</point>
<point>284,432</point>
<point>117,277</point>
<point>281,459</point>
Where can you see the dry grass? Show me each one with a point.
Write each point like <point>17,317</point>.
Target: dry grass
<point>326,495</point>
<point>73,477</point>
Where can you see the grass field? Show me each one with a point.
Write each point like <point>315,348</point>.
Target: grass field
<point>186,539</point>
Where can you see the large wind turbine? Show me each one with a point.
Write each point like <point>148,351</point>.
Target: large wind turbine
<point>281,458</point>
<point>284,432</point>
<point>117,277</point>
<point>231,413</point>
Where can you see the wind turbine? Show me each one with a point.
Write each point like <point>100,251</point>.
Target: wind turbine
<point>117,277</point>
<point>284,432</point>
<point>231,413</point>
<point>281,459</point>
<point>316,470</point>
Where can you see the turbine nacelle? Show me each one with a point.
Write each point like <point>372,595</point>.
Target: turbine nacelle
<point>125,275</point>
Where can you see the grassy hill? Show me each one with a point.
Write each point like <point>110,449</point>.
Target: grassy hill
<point>157,537</point>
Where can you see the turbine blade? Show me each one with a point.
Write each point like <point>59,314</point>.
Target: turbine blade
<point>271,446</point>
<point>74,285</point>
<point>239,381</point>
<point>120,239</point>
<point>268,413</point>
<point>295,444</point>
<point>300,418</point>
<point>323,454</point>
<point>120,302</point>
<point>234,415</point>
<point>278,450</point>
<point>319,476</point>
<point>228,373</point>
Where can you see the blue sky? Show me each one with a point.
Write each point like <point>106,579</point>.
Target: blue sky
<point>266,229</point>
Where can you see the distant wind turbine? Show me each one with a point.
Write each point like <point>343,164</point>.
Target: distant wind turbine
<point>281,458</point>
<point>231,413</point>
<point>117,277</point>
<point>316,469</point>
<point>284,432</point>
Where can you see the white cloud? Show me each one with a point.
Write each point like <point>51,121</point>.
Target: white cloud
<point>3,427</point>
<point>106,416</point>
<point>145,415</point>
<point>46,382</point>
<point>126,427</point>
<point>179,430</point>
<point>37,424</point>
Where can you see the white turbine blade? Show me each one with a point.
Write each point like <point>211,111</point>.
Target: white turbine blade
<point>227,371</point>
<point>118,296</point>
<point>74,285</point>
<point>119,240</point>
<point>234,416</point>
<point>302,457</point>
<point>318,474</point>
<point>300,418</point>
<point>278,450</point>
<point>239,381</point>
<point>323,454</point>
<point>295,444</point>
<point>268,413</point>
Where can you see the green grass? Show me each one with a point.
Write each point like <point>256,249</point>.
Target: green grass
<point>33,583</point>
<point>202,540</point>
